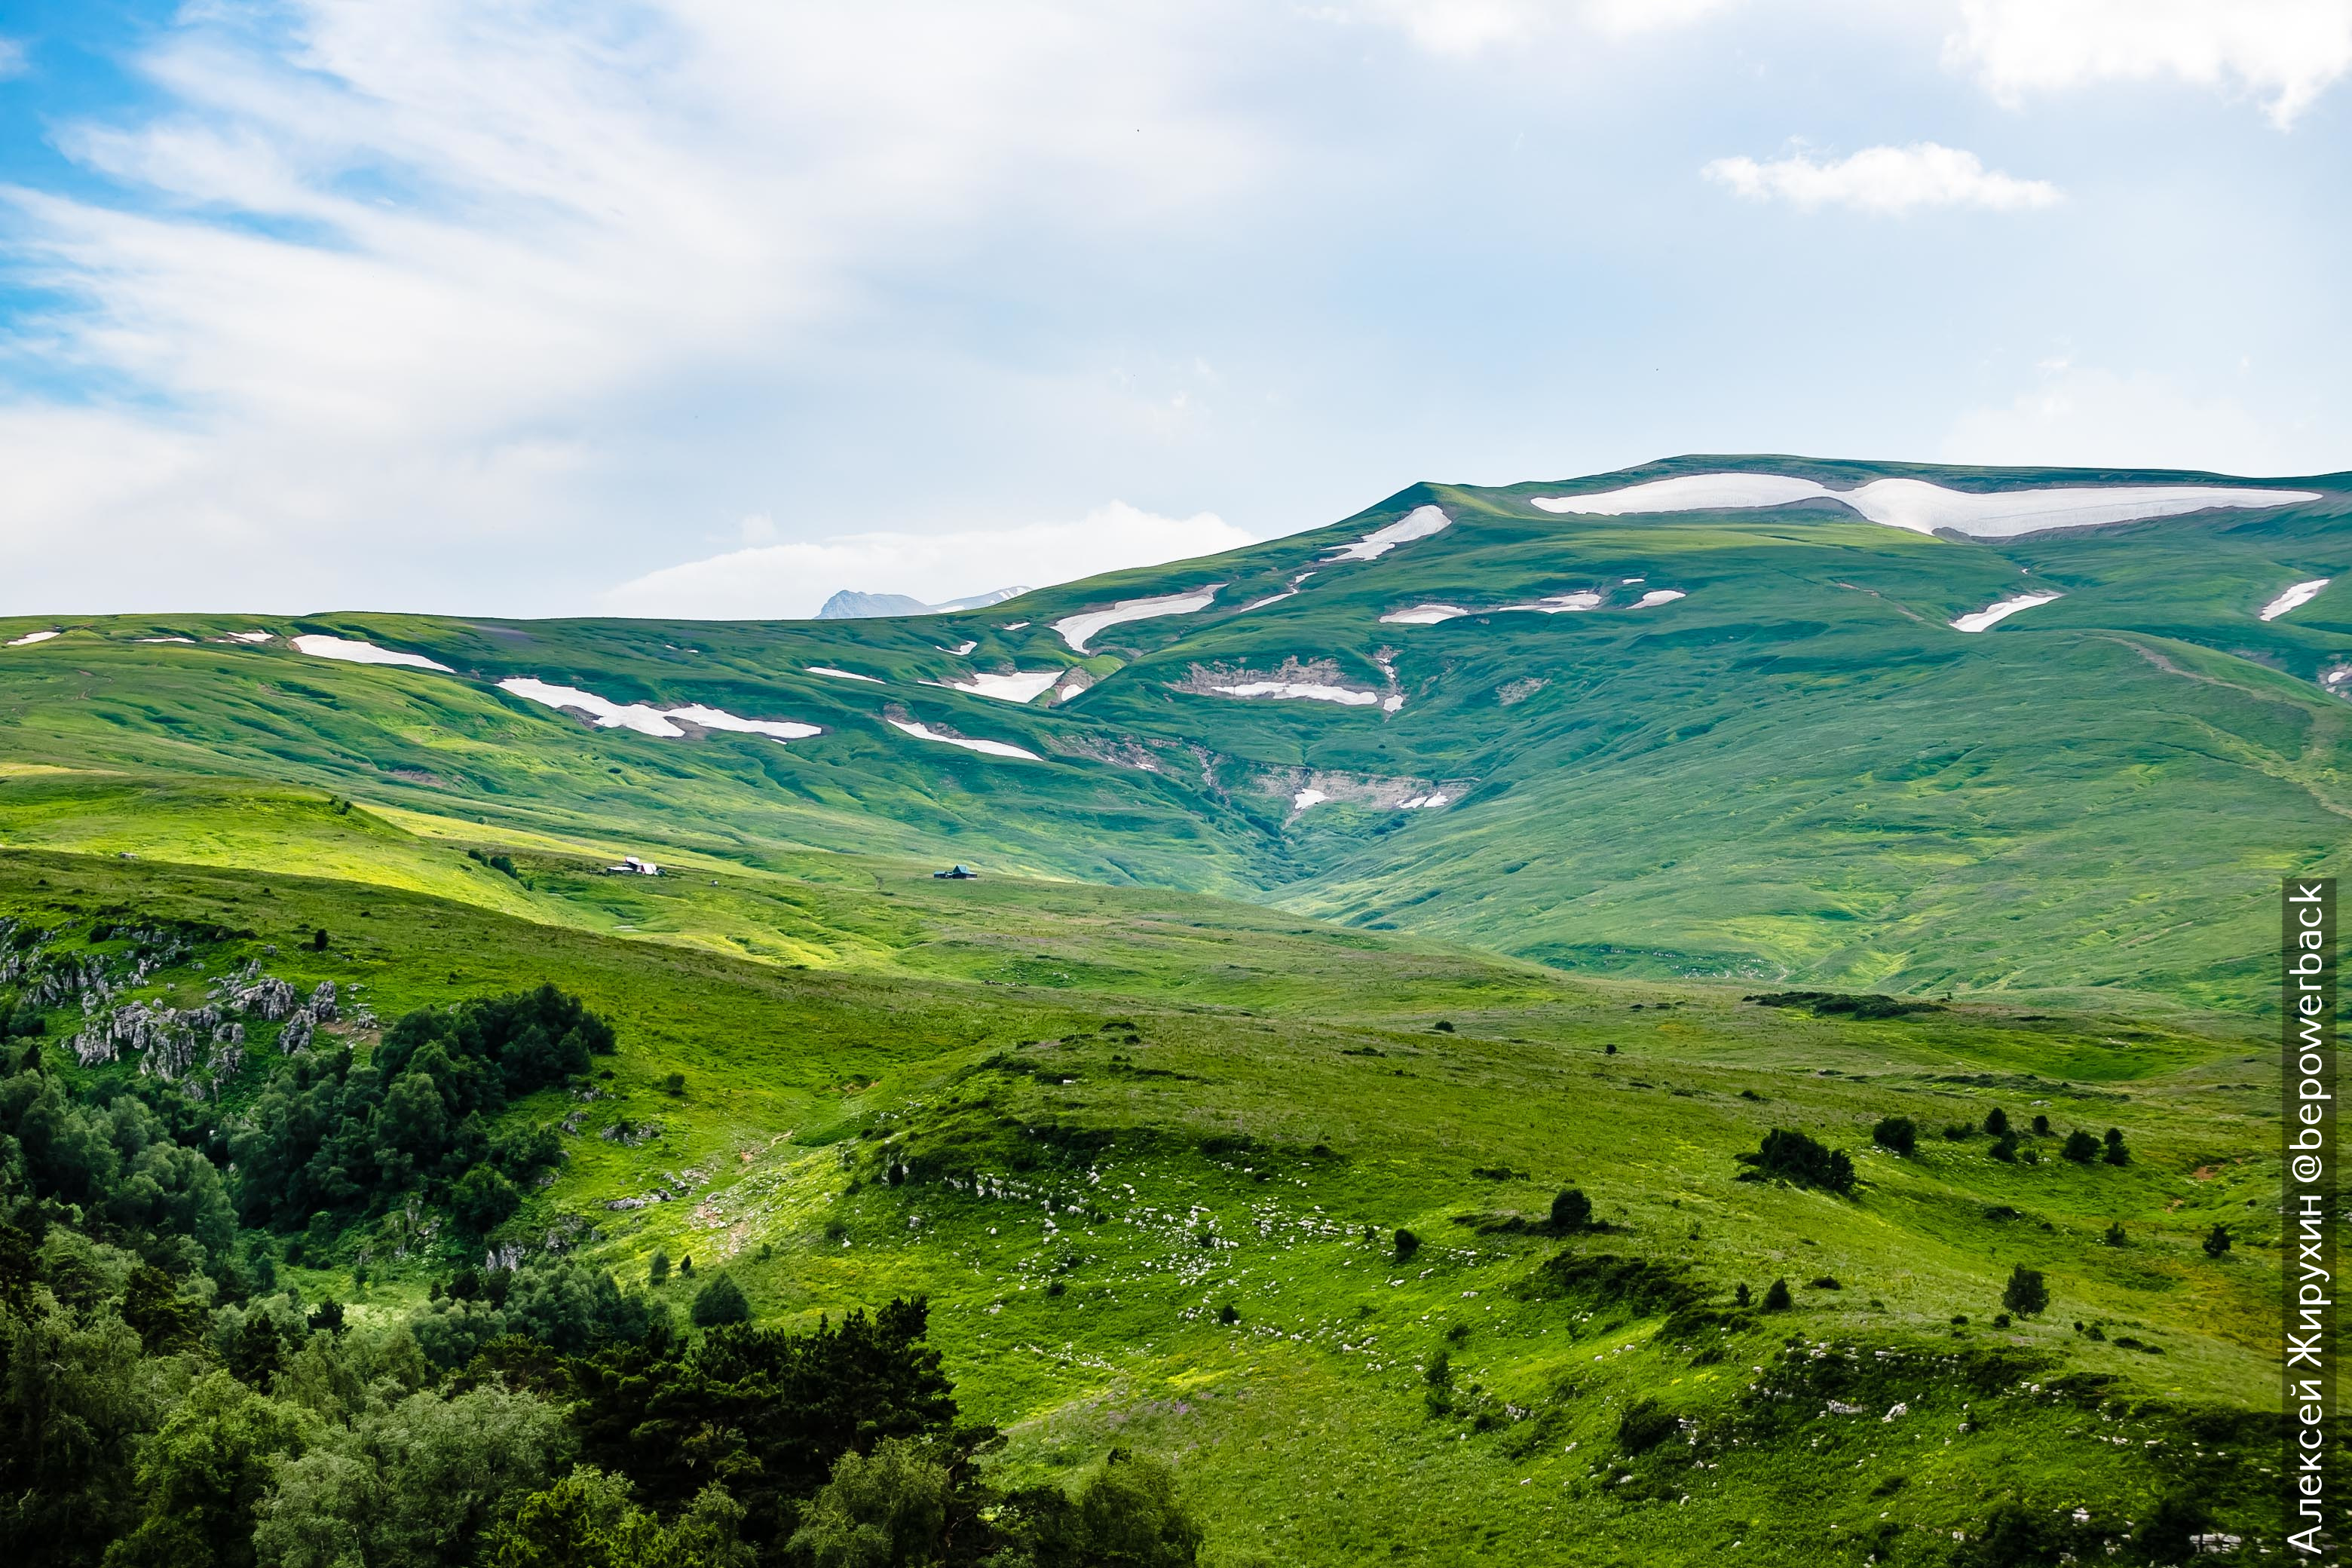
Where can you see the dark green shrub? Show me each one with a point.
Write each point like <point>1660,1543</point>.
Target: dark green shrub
<point>1899,1133</point>
<point>2117,1154</point>
<point>2026,1293</point>
<point>1776,1296</point>
<point>2081,1147</point>
<point>1571,1210</point>
<point>1644,1425</point>
<point>1794,1158</point>
<point>482,1199</point>
<point>2217,1241</point>
<point>1996,1121</point>
<point>721,1302</point>
<point>2004,1147</point>
<point>1407,1244</point>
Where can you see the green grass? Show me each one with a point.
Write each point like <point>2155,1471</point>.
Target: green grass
<point>1287,1095</point>
<point>1798,772</point>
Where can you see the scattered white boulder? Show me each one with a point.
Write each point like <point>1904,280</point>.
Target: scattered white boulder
<point>2295,598</point>
<point>1419,523</point>
<point>1020,686</point>
<point>660,723</point>
<point>986,748</point>
<point>351,650</point>
<point>1078,629</point>
<point>1925,508</point>
<point>843,674</point>
<point>2000,610</point>
<point>29,639</point>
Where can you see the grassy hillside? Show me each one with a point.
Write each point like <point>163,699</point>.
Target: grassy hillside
<point>1797,771</point>
<point>1148,1155</point>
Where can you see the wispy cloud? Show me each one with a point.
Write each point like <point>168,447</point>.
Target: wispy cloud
<point>2088,415</point>
<point>1888,180</point>
<point>792,580</point>
<point>13,60</point>
<point>403,279</point>
<point>2287,52</point>
<point>1463,28</point>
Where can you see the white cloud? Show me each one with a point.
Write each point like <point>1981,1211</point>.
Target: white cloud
<point>1467,27</point>
<point>2286,51</point>
<point>12,58</point>
<point>1891,180</point>
<point>792,580</point>
<point>2085,416</point>
<point>397,281</point>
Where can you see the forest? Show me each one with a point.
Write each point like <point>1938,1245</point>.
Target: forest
<point>165,1399</point>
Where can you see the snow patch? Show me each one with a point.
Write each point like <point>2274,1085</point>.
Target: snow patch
<point>2295,598</point>
<point>1393,701</point>
<point>844,674</point>
<point>1423,614</point>
<point>1978,620</point>
<point>1558,603</point>
<point>988,748</point>
<point>251,637</point>
<point>351,650</point>
<point>1424,801</point>
<point>960,650</point>
<point>30,637</point>
<point>660,723</point>
<point>1306,797</point>
<point>1313,691</point>
<point>1925,508</point>
<point>1015,627</point>
<point>1656,596</point>
<point>1020,686</point>
<point>1419,523</point>
<point>1076,630</point>
<point>191,641</point>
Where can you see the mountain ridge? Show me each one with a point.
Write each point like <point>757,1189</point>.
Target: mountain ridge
<point>1737,741</point>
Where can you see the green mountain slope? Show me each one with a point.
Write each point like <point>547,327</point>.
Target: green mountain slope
<point>1798,769</point>
<point>1148,1155</point>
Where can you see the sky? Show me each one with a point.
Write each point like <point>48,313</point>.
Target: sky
<point>710,308</point>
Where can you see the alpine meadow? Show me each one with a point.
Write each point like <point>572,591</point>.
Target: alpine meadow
<point>1721,1012</point>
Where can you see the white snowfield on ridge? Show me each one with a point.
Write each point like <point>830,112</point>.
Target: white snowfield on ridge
<point>2002,609</point>
<point>660,723</point>
<point>1925,508</point>
<point>2295,598</point>
<point>986,748</point>
<point>1311,690</point>
<point>1419,523</point>
<point>1558,603</point>
<point>351,650</point>
<point>1075,630</point>
<point>1020,686</point>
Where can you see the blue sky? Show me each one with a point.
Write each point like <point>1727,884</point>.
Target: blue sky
<point>711,307</point>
